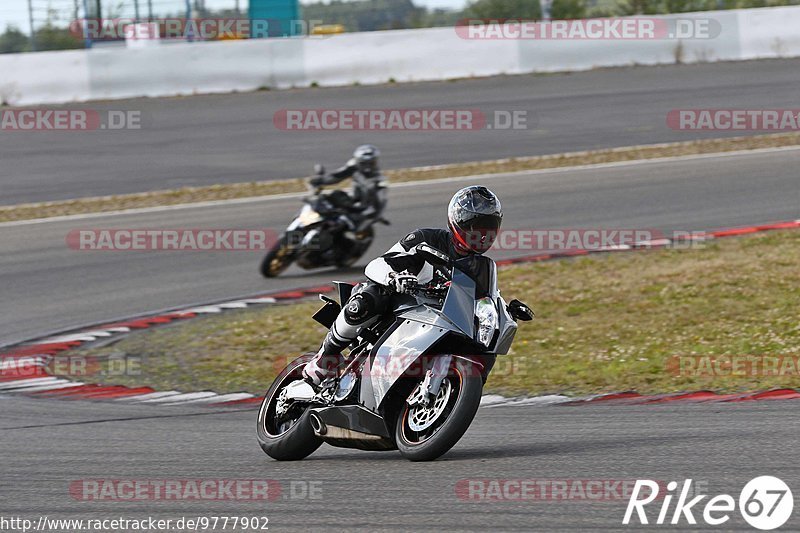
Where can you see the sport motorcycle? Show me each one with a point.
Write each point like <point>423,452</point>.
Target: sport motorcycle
<point>413,381</point>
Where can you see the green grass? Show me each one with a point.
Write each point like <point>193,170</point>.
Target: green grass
<point>604,323</point>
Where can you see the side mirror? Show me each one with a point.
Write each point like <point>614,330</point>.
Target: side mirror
<point>519,311</point>
<point>319,170</point>
<point>432,255</point>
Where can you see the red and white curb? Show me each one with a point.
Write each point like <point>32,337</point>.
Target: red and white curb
<point>634,398</point>
<point>24,370</point>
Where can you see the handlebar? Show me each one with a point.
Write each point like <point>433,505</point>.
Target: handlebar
<point>432,290</point>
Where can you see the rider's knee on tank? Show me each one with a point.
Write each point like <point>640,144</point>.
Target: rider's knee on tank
<point>368,300</point>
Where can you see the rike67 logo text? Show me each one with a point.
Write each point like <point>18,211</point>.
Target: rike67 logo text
<point>765,503</point>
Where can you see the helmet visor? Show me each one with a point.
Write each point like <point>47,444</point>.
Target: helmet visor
<point>478,233</point>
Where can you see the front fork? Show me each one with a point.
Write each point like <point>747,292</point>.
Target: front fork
<point>429,387</point>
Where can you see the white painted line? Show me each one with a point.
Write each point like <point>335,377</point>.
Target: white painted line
<point>180,398</point>
<point>234,396</point>
<point>611,248</point>
<point>201,310</point>
<point>482,177</point>
<point>549,399</point>
<point>264,300</point>
<point>121,329</point>
<point>66,338</point>
<point>652,243</point>
<point>214,399</point>
<point>25,382</point>
<point>492,399</point>
<point>67,385</point>
<point>148,396</point>
<point>155,209</point>
<point>233,305</point>
<point>97,333</point>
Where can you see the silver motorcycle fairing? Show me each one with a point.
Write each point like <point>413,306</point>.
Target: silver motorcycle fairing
<point>506,325</point>
<point>307,216</point>
<point>405,343</point>
<point>459,305</point>
<point>508,329</point>
<point>415,331</point>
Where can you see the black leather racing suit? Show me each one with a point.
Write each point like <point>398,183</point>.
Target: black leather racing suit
<point>369,300</point>
<point>369,193</point>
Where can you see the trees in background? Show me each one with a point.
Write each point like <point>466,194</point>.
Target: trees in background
<point>13,41</point>
<point>568,9</point>
<point>366,15</point>
<point>48,37</point>
<point>500,9</point>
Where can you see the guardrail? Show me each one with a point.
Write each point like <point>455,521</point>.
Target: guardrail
<point>374,57</point>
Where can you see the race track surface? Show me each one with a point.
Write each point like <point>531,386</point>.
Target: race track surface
<point>46,447</point>
<point>205,140</point>
<point>46,286</point>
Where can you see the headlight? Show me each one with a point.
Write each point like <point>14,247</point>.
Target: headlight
<point>486,312</point>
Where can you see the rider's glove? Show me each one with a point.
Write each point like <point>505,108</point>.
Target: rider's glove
<point>402,282</point>
<point>316,181</point>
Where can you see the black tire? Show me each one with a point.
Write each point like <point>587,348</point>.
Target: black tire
<point>451,425</point>
<point>296,442</point>
<point>277,259</point>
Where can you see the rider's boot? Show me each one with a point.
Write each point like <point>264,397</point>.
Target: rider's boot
<point>324,364</point>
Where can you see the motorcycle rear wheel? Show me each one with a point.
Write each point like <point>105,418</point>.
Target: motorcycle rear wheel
<point>436,432</point>
<point>291,439</point>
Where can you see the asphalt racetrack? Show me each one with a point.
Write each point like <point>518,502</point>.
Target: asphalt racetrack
<point>47,286</point>
<point>46,446</point>
<point>49,446</point>
<point>204,140</point>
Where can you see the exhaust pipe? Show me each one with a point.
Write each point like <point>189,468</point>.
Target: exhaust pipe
<point>317,424</point>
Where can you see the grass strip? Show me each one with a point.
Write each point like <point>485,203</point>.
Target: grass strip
<point>232,191</point>
<point>604,323</point>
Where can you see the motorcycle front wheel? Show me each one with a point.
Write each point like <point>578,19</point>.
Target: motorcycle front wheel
<point>277,259</point>
<point>289,437</point>
<point>426,433</point>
